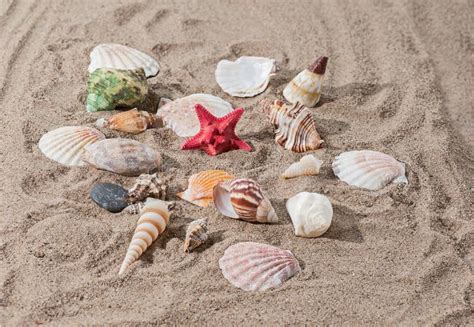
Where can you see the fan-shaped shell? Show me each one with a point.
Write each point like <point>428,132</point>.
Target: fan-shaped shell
<point>311,214</point>
<point>66,144</point>
<point>243,199</point>
<point>196,234</point>
<point>256,267</point>
<point>117,56</point>
<point>131,121</point>
<point>153,220</point>
<point>180,116</point>
<point>245,77</point>
<point>122,156</point>
<point>201,185</point>
<point>294,125</point>
<point>307,166</point>
<point>367,169</point>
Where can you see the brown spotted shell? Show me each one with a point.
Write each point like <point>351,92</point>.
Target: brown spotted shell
<point>147,186</point>
<point>131,121</point>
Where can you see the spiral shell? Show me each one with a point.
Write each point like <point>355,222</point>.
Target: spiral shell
<point>131,121</point>
<point>243,199</point>
<point>367,169</point>
<point>295,128</point>
<point>307,166</point>
<point>147,186</point>
<point>153,220</point>
<point>66,144</point>
<point>256,267</point>
<point>196,234</point>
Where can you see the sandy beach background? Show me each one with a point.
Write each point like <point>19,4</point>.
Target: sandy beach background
<point>399,80</point>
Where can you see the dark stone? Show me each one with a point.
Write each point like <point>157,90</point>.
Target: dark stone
<point>109,196</point>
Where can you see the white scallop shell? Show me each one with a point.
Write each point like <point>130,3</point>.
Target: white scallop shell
<point>367,169</point>
<point>66,144</point>
<point>311,214</point>
<point>180,116</point>
<point>245,77</point>
<point>308,165</point>
<point>117,56</point>
<point>256,267</point>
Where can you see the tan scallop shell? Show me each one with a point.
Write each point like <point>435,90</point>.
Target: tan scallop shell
<point>131,121</point>
<point>196,234</point>
<point>307,166</point>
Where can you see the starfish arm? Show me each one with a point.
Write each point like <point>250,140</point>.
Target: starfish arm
<point>192,143</point>
<point>229,121</point>
<point>204,116</point>
<point>242,145</point>
<point>210,150</point>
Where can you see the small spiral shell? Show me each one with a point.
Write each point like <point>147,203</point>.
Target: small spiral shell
<point>196,234</point>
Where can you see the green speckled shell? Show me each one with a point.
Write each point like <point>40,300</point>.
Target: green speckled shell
<point>111,88</point>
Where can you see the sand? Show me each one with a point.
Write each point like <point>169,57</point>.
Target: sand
<point>399,80</point>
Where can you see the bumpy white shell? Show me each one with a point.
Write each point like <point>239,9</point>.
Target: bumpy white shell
<point>256,267</point>
<point>307,166</point>
<point>117,56</point>
<point>367,169</point>
<point>311,214</point>
<point>245,77</point>
<point>180,116</point>
<point>66,144</point>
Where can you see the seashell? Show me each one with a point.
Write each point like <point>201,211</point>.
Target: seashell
<point>122,156</point>
<point>367,169</point>
<point>309,165</point>
<point>256,267</point>
<point>117,56</point>
<point>147,186</point>
<point>66,144</point>
<point>201,185</point>
<point>108,89</point>
<point>196,234</point>
<point>180,115</point>
<point>134,208</point>
<point>311,214</point>
<point>132,121</point>
<point>305,88</point>
<point>294,125</point>
<point>245,77</point>
<point>154,218</point>
<point>243,199</point>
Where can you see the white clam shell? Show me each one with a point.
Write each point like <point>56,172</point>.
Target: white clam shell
<point>367,169</point>
<point>245,77</point>
<point>256,267</point>
<point>180,116</point>
<point>117,56</point>
<point>66,144</point>
<point>307,166</point>
<point>311,214</point>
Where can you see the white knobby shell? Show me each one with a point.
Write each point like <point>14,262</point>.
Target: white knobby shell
<point>66,144</point>
<point>245,77</point>
<point>311,214</point>
<point>256,267</point>
<point>117,56</point>
<point>180,115</point>
<point>307,166</point>
<point>367,169</point>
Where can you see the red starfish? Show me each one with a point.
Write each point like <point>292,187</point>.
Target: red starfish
<point>217,135</point>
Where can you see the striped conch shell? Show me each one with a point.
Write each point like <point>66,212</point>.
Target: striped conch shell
<point>243,199</point>
<point>305,88</point>
<point>199,191</point>
<point>147,186</point>
<point>309,165</point>
<point>154,218</point>
<point>131,121</point>
<point>294,125</point>
<point>196,234</point>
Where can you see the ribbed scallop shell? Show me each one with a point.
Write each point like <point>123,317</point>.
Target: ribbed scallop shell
<point>196,234</point>
<point>307,166</point>
<point>294,125</point>
<point>122,156</point>
<point>311,214</point>
<point>131,121</point>
<point>66,144</point>
<point>154,217</point>
<point>180,116</point>
<point>367,169</point>
<point>201,185</point>
<point>243,199</point>
<point>245,77</point>
<point>112,55</point>
<point>256,267</point>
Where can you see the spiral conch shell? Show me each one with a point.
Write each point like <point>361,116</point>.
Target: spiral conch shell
<point>131,121</point>
<point>305,88</point>
<point>154,218</point>
<point>196,234</point>
<point>295,128</point>
<point>243,199</point>
<point>307,166</point>
<point>147,186</point>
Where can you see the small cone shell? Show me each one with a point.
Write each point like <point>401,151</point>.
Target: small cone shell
<point>196,234</point>
<point>131,121</point>
<point>154,218</point>
<point>309,165</point>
